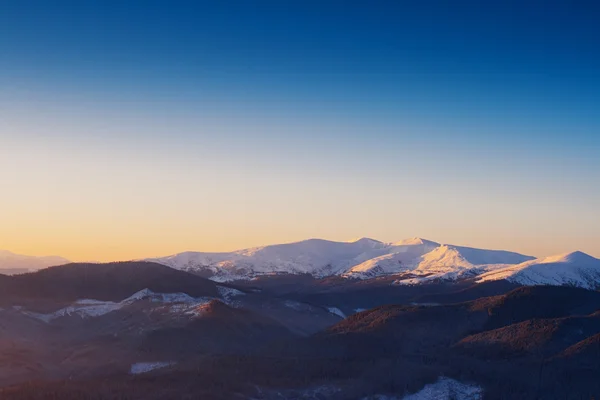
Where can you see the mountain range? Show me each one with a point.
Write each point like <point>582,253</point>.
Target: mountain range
<point>412,261</point>
<point>316,319</point>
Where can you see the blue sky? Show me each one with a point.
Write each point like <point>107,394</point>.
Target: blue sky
<point>217,125</point>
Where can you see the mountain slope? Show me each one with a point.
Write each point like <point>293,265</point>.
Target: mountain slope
<point>532,337</point>
<point>571,269</point>
<point>401,257</point>
<point>11,263</point>
<point>449,262</point>
<point>416,329</point>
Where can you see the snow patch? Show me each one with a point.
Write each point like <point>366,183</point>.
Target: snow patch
<point>443,389</point>
<point>198,310</point>
<point>296,305</point>
<point>336,311</point>
<point>87,308</point>
<point>447,389</point>
<point>229,294</point>
<point>143,367</point>
<point>307,393</point>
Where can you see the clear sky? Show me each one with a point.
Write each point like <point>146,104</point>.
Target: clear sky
<point>135,129</point>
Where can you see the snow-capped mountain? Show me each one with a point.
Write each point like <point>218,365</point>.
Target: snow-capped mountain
<point>314,256</point>
<point>447,262</point>
<point>400,257</point>
<point>429,262</point>
<point>364,258</point>
<point>571,269</point>
<point>11,263</point>
<point>411,261</point>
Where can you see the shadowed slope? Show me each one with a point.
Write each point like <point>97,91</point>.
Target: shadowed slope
<point>112,281</point>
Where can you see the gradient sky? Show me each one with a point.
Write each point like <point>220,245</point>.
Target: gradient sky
<point>136,129</point>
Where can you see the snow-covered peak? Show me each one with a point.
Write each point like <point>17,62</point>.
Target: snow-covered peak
<point>575,257</point>
<point>448,262</point>
<point>442,258</point>
<point>415,241</point>
<point>367,241</point>
<point>388,264</point>
<point>487,257</point>
<point>397,259</point>
<point>573,269</point>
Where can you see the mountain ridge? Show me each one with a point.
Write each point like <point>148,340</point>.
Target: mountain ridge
<point>412,261</point>
<point>362,258</point>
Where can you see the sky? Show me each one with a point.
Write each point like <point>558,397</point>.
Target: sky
<point>138,129</point>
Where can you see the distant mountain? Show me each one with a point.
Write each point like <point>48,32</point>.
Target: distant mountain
<point>11,263</point>
<point>316,257</point>
<point>449,262</point>
<point>401,256</point>
<point>571,269</point>
<point>362,259</point>
<point>414,261</point>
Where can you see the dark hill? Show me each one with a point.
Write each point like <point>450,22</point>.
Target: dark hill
<point>473,292</point>
<point>531,302</point>
<point>218,329</point>
<point>111,281</point>
<point>586,352</point>
<point>408,331</point>
<point>411,330</point>
<point>539,337</point>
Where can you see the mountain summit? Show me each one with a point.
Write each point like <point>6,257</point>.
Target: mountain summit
<point>572,269</point>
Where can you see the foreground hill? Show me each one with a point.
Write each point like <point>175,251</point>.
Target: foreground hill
<point>538,337</point>
<point>90,290</point>
<point>402,329</point>
<point>86,320</point>
<point>110,282</point>
<point>531,343</point>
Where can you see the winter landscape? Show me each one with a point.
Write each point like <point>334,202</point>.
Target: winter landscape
<point>412,319</point>
<point>299,200</point>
